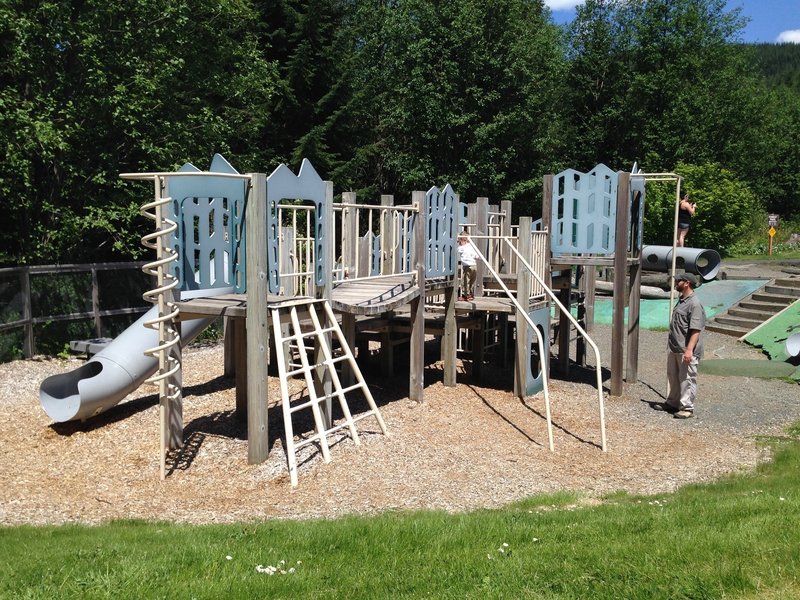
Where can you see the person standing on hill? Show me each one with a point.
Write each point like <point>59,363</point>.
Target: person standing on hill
<point>469,270</point>
<point>685,345</point>
<point>685,213</point>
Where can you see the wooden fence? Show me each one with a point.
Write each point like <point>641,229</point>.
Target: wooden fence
<point>19,309</point>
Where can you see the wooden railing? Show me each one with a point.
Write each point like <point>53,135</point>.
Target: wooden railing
<point>21,302</point>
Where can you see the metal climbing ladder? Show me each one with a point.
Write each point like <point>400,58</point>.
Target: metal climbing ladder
<point>295,341</point>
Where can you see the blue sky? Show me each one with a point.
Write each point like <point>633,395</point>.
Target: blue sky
<point>771,21</point>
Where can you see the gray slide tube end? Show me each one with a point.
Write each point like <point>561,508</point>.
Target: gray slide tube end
<point>86,391</point>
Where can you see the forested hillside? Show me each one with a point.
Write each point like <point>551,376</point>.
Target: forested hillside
<point>383,97</point>
<point>780,64</point>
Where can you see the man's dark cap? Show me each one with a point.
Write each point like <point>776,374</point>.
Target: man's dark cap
<point>691,278</point>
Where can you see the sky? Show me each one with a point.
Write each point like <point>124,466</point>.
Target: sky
<point>771,21</point>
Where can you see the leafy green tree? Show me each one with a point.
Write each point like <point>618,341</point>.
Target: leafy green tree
<point>726,207</point>
<point>660,79</point>
<point>463,91</point>
<point>769,158</point>
<point>91,89</point>
<point>596,86</point>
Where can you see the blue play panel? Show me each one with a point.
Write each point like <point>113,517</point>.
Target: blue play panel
<point>717,296</point>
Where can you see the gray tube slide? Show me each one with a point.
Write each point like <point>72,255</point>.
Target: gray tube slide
<point>111,374</point>
<point>705,263</point>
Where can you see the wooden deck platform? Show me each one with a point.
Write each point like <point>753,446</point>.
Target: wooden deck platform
<point>374,295</point>
<point>369,297</point>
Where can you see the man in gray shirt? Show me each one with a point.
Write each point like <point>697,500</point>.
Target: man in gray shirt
<point>685,349</point>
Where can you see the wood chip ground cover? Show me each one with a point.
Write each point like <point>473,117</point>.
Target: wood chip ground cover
<point>461,449</point>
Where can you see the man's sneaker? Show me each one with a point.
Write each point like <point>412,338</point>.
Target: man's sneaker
<point>664,407</point>
<point>470,297</point>
<point>684,414</point>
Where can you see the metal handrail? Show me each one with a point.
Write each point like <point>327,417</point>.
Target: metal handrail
<point>543,349</point>
<point>580,329</point>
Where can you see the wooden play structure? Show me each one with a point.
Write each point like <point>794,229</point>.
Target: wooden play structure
<point>307,283</point>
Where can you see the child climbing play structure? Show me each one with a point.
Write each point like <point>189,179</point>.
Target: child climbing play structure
<point>306,284</point>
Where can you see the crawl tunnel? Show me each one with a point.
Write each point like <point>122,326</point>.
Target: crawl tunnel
<point>703,262</point>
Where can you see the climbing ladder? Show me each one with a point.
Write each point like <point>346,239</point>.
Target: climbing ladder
<point>295,341</point>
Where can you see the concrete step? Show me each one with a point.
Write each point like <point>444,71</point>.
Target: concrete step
<point>731,321</point>
<point>736,332</point>
<point>774,298</point>
<point>767,307</point>
<point>753,314</point>
<point>779,290</point>
<point>788,283</point>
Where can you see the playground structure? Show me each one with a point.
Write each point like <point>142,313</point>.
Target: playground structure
<point>329,277</point>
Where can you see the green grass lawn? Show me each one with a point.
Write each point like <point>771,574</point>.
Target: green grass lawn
<point>736,538</point>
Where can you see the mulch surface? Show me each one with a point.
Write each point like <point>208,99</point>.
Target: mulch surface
<point>463,448</point>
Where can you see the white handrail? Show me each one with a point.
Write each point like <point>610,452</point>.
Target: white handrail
<point>580,329</point>
<point>542,348</point>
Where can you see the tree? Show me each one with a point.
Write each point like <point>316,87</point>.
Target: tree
<point>309,42</point>
<point>598,77</point>
<point>726,207</point>
<point>91,89</point>
<point>666,82</point>
<point>463,91</point>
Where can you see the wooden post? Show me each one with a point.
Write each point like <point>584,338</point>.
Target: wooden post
<point>620,280</point>
<point>505,231</point>
<point>547,223</point>
<point>98,327</point>
<point>580,343</point>
<point>478,345</point>
<point>256,324</point>
<point>28,346</point>
<point>522,354</point>
<point>387,252</point>
<point>174,412</point>
<point>238,342</point>
<point>322,375</point>
<point>589,279</point>
<point>547,205</point>
<point>416,382</point>
<point>636,194</point>
<point>349,237</point>
<point>349,332</point>
<point>229,347</point>
<point>170,381</point>
<point>564,327</point>
<point>450,339</point>
<point>481,228</point>
<point>635,277</point>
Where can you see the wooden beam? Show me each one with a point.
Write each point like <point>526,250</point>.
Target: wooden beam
<point>481,228</point>
<point>324,291</point>
<point>416,382</point>
<point>256,323</point>
<point>450,338</point>
<point>522,354</point>
<point>620,280</point>
<point>387,252</point>
<point>239,352</point>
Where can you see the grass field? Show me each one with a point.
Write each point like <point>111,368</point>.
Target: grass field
<point>736,538</point>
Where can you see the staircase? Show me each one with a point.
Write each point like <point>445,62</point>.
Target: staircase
<point>757,308</point>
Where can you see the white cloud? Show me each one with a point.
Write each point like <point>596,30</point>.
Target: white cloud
<point>789,37</point>
<point>562,4</point>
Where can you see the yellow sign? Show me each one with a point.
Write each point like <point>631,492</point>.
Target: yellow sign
<point>771,232</point>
